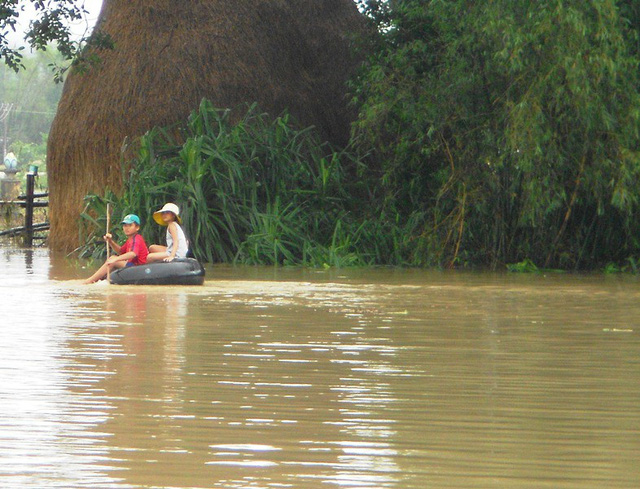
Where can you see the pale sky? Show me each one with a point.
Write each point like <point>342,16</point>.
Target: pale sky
<point>79,29</point>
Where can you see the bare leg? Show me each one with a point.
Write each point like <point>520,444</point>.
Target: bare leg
<point>101,273</point>
<point>157,256</point>
<point>156,253</point>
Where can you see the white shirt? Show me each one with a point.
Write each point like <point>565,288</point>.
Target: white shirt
<point>182,241</point>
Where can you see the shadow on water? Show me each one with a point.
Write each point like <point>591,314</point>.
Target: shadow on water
<point>270,377</point>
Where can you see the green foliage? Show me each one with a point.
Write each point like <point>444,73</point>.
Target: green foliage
<point>528,266</point>
<point>488,133</point>
<point>512,127</point>
<point>33,96</point>
<point>250,191</point>
<point>93,225</point>
<point>612,268</point>
<point>50,26</point>
<point>630,265</point>
<point>27,153</point>
<point>525,266</point>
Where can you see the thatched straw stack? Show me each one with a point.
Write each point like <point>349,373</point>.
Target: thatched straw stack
<point>169,55</point>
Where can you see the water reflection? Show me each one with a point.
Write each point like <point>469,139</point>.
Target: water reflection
<point>398,380</point>
<point>48,432</point>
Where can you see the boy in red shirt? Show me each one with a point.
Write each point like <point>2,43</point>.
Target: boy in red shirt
<point>133,252</point>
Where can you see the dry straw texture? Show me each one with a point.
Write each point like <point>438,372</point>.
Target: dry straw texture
<point>169,55</point>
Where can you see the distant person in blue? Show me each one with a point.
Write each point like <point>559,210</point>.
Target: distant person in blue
<point>177,246</point>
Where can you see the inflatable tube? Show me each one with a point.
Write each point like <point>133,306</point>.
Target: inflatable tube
<point>186,271</point>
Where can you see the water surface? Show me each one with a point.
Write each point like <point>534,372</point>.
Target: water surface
<point>272,378</point>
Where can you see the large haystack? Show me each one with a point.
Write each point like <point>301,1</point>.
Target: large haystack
<point>169,55</point>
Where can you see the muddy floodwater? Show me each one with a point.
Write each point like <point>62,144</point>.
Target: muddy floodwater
<point>293,378</point>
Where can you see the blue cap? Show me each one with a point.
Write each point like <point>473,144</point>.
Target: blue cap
<point>130,219</point>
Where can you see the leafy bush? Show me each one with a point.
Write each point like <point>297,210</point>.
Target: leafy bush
<point>253,191</point>
<point>512,126</point>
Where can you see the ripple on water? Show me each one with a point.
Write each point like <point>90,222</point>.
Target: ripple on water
<point>363,379</point>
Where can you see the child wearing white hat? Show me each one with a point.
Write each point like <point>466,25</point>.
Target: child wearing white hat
<point>177,245</point>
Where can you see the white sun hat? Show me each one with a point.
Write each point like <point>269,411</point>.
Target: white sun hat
<point>157,216</point>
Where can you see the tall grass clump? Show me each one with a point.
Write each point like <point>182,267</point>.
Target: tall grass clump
<point>253,191</point>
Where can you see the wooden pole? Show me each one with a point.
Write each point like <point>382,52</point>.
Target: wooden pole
<point>108,245</point>
<point>28,213</point>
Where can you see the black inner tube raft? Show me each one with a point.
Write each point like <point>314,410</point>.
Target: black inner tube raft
<point>183,271</point>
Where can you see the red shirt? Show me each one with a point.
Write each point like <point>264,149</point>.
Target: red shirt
<point>136,244</point>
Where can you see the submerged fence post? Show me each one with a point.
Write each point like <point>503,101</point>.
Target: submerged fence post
<point>28,214</point>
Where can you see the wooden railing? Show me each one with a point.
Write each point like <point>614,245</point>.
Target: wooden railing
<point>28,202</point>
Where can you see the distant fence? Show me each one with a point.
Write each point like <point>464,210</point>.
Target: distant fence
<point>28,202</point>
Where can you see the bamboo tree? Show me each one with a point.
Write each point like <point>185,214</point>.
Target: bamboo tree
<point>513,125</point>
